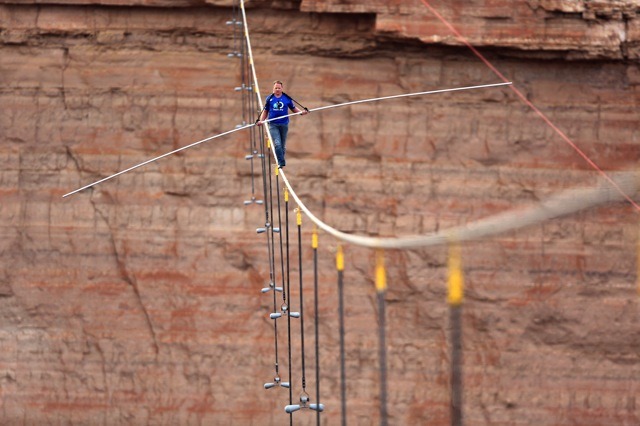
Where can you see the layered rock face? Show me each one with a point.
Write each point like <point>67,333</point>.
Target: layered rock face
<point>139,302</point>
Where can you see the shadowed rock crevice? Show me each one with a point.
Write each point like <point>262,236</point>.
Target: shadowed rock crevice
<point>126,275</point>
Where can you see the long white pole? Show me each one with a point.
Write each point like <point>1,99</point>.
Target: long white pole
<point>430,92</point>
<point>157,158</point>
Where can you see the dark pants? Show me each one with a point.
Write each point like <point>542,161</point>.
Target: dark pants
<point>279,138</point>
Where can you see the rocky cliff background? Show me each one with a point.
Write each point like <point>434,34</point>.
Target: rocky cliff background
<point>138,302</point>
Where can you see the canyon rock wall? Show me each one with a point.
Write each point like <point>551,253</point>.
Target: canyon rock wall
<point>138,301</point>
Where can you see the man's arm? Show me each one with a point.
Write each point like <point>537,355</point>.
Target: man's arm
<point>263,116</point>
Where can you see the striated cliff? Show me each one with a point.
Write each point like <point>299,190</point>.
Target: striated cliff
<point>138,302</point>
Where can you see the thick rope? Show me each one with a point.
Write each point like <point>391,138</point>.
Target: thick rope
<point>565,203</point>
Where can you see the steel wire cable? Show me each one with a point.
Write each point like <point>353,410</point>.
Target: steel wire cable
<point>314,245</point>
<point>341,332</point>
<point>565,203</point>
<point>284,293</point>
<point>562,204</point>
<point>614,188</point>
<point>381,289</point>
<point>299,224</point>
<point>288,290</point>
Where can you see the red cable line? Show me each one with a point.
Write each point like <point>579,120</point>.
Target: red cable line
<point>533,107</point>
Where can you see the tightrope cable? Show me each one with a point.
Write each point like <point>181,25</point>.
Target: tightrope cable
<point>558,205</point>
<point>565,203</point>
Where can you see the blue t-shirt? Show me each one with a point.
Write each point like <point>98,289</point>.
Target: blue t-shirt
<point>278,107</point>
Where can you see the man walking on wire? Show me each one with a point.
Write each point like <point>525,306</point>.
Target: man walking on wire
<point>277,105</point>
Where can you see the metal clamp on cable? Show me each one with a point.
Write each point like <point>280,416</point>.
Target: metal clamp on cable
<point>304,403</point>
<point>254,153</point>
<point>272,286</point>
<point>267,226</point>
<point>276,382</point>
<point>285,311</point>
<point>253,200</point>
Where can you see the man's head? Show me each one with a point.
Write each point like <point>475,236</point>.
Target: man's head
<point>277,87</point>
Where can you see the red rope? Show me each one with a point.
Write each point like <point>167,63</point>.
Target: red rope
<point>533,107</point>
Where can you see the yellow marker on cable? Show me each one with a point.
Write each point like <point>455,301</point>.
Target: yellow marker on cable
<point>340,259</point>
<point>286,195</point>
<point>314,239</point>
<point>381,274</point>
<point>456,278</point>
<point>299,216</point>
<point>276,169</point>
